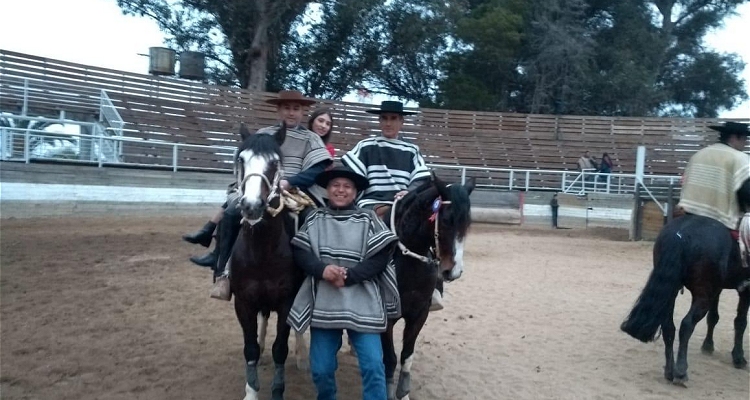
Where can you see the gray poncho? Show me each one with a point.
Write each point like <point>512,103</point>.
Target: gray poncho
<point>345,238</point>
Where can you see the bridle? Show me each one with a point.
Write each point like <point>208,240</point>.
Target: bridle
<point>436,206</point>
<point>273,192</point>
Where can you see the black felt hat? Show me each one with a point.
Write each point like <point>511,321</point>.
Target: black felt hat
<point>341,171</point>
<point>732,128</point>
<point>392,107</point>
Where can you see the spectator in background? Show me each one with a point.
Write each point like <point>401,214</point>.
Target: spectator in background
<point>586,162</point>
<point>587,165</point>
<point>554,205</point>
<point>606,165</point>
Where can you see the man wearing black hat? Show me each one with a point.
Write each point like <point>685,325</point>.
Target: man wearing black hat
<point>717,178</point>
<point>391,165</point>
<point>351,284</point>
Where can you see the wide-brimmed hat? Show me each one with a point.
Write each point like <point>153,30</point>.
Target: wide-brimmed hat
<point>291,96</point>
<point>392,107</point>
<point>732,128</point>
<point>341,171</point>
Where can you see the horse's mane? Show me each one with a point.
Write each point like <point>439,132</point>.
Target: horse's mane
<point>261,144</point>
<point>460,209</point>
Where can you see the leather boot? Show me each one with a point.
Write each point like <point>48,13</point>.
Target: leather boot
<point>226,234</point>
<point>202,236</point>
<point>208,260</point>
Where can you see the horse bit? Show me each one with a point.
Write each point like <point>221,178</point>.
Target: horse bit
<point>436,206</point>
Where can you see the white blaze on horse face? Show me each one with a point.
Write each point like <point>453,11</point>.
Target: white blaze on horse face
<point>458,259</point>
<point>254,165</point>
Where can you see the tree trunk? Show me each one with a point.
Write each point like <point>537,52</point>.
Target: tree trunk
<point>257,60</point>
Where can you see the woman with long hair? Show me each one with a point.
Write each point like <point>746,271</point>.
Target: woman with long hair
<point>321,122</point>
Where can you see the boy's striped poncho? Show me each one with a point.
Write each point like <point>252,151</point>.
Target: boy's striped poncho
<point>345,238</point>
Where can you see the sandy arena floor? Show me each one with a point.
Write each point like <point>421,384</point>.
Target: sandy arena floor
<point>110,308</point>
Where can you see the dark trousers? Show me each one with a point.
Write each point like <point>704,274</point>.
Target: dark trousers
<point>554,217</point>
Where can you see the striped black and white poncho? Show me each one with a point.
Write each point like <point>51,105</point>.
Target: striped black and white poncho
<point>390,165</point>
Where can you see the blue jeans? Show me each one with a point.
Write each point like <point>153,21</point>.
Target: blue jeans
<point>324,347</point>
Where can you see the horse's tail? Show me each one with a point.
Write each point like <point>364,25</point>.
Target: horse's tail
<point>656,302</point>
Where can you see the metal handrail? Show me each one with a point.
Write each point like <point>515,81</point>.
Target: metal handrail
<point>615,183</point>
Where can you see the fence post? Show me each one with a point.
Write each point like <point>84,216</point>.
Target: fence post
<point>463,175</point>
<point>510,180</point>
<point>26,139</point>
<point>101,149</point>
<point>25,107</point>
<point>564,180</point>
<point>670,201</point>
<point>174,158</point>
<point>528,175</point>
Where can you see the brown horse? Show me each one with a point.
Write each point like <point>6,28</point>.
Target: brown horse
<point>431,223</point>
<point>264,278</point>
<point>700,254</point>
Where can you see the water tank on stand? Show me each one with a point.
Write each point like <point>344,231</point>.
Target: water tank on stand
<point>193,65</point>
<point>161,61</point>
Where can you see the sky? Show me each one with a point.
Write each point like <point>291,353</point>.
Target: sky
<point>95,32</point>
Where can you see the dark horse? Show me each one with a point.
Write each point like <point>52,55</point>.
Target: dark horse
<point>700,254</point>
<point>417,220</point>
<point>263,275</point>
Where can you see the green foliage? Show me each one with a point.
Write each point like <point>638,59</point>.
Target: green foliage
<point>600,57</point>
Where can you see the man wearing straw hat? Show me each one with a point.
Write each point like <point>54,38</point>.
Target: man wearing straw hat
<point>392,166</point>
<point>305,157</point>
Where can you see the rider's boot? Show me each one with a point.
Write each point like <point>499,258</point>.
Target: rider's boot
<point>208,259</point>
<point>229,229</point>
<point>202,236</point>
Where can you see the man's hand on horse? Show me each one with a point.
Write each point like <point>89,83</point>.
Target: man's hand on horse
<point>285,184</point>
<point>400,194</point>
<point>335,275</point>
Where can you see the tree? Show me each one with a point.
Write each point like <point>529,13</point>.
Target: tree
<point>251,31</point>
<point>483,73</point>
<point>558,60</point>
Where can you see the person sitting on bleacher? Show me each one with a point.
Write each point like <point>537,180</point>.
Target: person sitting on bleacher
<point>588,165</point>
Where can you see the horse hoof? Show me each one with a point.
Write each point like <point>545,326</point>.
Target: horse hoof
<point>739,364</point>
<point>668,375</point>
<point>680,381</point>
<point>707,348</point>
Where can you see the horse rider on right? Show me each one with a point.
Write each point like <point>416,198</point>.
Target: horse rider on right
<point>716,183</point>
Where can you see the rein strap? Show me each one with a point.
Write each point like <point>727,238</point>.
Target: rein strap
<point>404,250</point>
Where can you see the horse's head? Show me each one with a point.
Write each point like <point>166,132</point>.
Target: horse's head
<point>442,225</point>
<point>259,170</point>
<point>454,219</point>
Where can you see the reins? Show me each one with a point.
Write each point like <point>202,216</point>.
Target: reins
<point>294,200</point>
<point>273,193</point>
<point>436,218</point>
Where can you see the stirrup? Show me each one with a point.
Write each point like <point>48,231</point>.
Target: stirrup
<point>221,289</point>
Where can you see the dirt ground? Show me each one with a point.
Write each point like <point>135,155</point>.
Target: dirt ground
<point>110,308</point>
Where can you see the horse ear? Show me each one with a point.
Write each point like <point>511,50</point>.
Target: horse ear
<point>442,187</point>
<point>470,185</point>
<point>281,134</point>
<point>244,133</point>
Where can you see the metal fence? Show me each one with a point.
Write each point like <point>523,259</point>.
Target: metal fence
<point>28,144</point>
